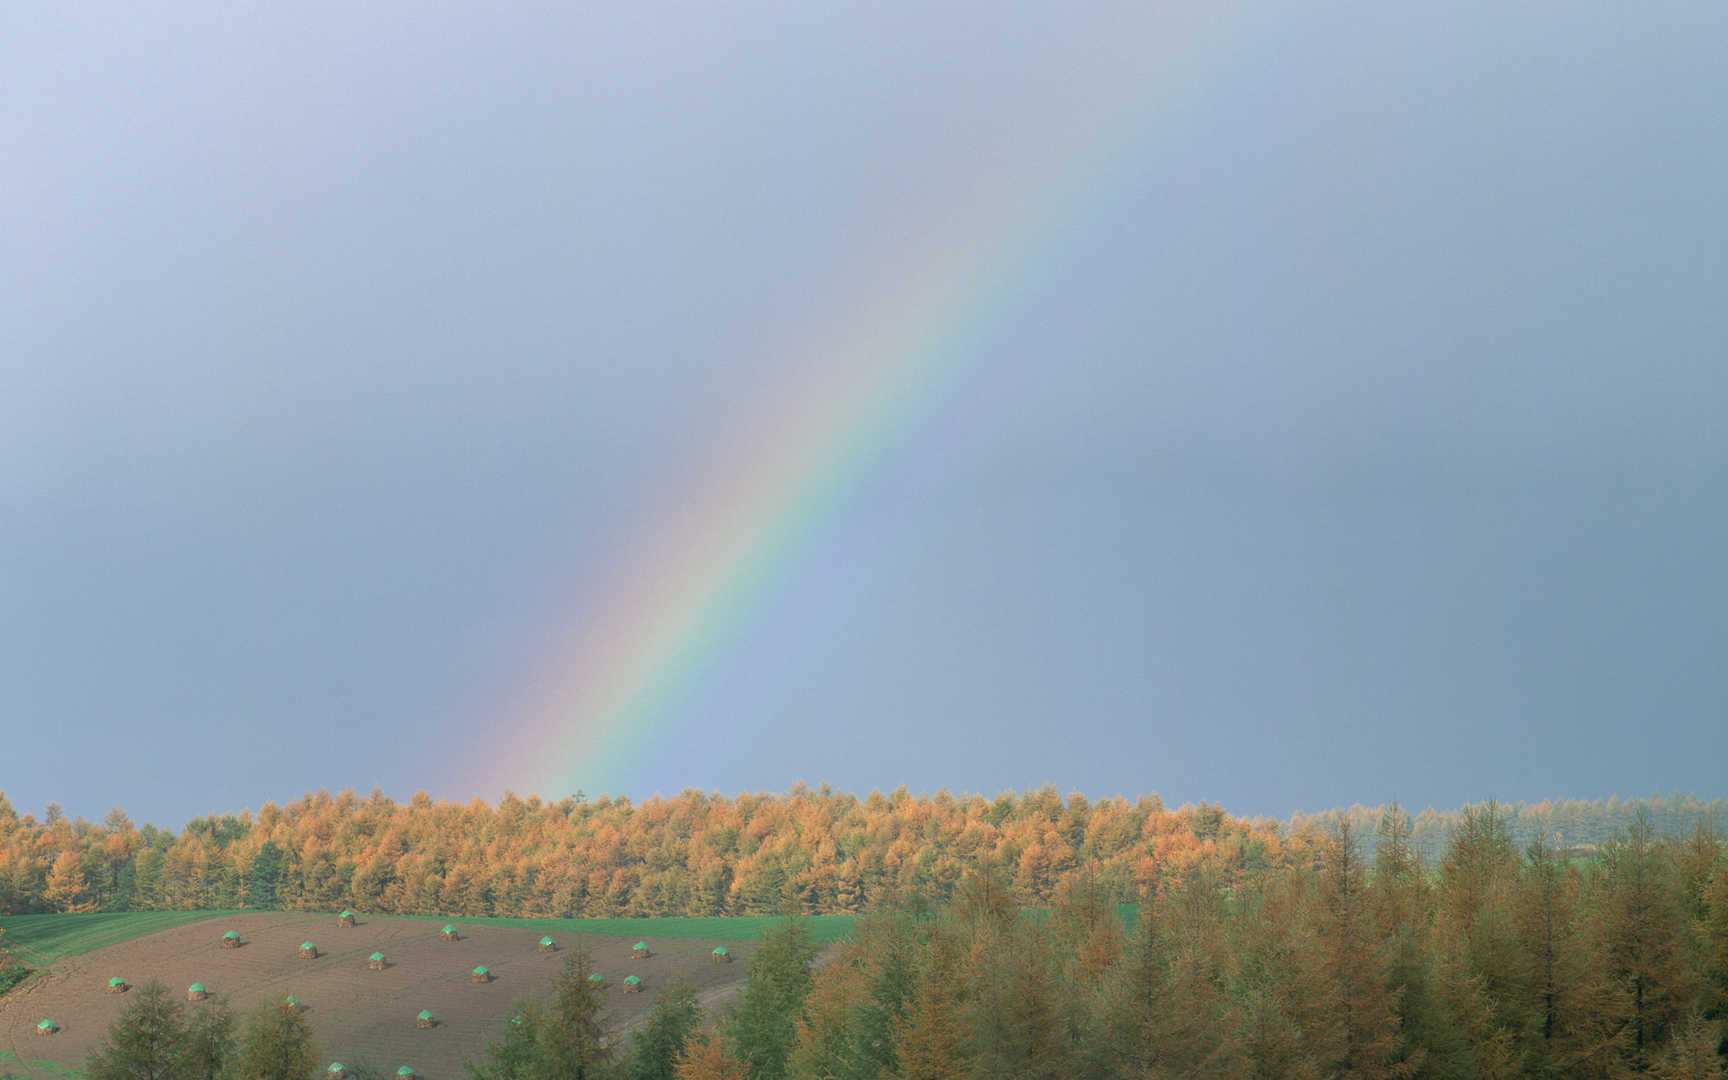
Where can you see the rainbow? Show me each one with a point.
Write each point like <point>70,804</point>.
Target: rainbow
<point>609,688</point>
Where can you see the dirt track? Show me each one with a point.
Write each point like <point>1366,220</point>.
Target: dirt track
<point>362,1018</point>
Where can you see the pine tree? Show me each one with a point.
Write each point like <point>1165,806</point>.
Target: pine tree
<point>211,1041</point>
<point>1038,1042</point>
<point>1714,941</point>
<point>927,1044</point>
<point>1571,1033</point>
<point>1127,1041</point>
<point>1277,1007</point>
<point>1482,975</point>
<point>710,1057</point>
<point>1404,907</point>
<point>824,1045</point>
<point>1189,1029</point>
<point>148,1041</point>
<point>1642,936</point>
<point>1691,1053</point>
<point>277,1045</point>
<point>525,1052</point>
<point>1364,1020</point>
<point>659,1043</point>
<point>776,984</point>
<point>576,1033</point>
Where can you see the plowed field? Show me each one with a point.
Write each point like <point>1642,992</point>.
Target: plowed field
<point>361,1017</point>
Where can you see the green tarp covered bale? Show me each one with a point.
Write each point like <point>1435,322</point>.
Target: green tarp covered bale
<point>116,985</point>
<point>375,961</point>
<point>231,940</point>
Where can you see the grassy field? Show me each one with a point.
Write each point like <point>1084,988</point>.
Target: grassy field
<point>39,940</point>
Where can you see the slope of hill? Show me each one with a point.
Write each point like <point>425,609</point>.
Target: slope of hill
<point>361,1017</point>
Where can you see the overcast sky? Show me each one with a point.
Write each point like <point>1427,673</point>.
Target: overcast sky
<point>1348,425</point>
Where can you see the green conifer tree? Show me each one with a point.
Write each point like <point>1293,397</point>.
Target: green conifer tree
<point>277,1045</point>
<point>149,1040</point>
<point>659,1044</point>
<point>211,1041</point>
<point>576,1030</point>
<point>524,1053</point>
<point>776,983</point>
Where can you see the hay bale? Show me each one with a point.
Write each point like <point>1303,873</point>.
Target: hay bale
<point>548,945</point>
<point>336,1071</point>
<point>404,1073</point>
<point>291,1004</point>
<point>633,985</point>
<point>376,961</point>
<point>721,956</point>
<point>117,985</point>
<point>196,992</point>
<point>639,951</point>
<point>448,934</point>
<point>231,940</point>
<point>308,951</point>
<point>47,1027</point>
<point>424,1020</point>
<point>345,919</point>
<point>597,980</point>
<point>481,975</point>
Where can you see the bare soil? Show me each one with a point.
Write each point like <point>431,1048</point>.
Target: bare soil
<point>360,1017</point>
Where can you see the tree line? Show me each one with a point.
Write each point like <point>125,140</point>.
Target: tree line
<point>816,851</point>
<point>1574,826</point>
<point>693,854</point>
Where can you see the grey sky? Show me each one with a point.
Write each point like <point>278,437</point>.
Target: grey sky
<point>1358,438</point>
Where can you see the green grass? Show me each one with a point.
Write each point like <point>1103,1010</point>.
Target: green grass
<point>39,940</point>
<point>52,1067</point>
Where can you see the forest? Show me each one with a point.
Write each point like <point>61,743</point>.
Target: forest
<point>1494,962</point>
<point>810,850</point>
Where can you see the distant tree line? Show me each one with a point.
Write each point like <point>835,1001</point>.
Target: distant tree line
<point>812,851</point>
<point>1571,826</point>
